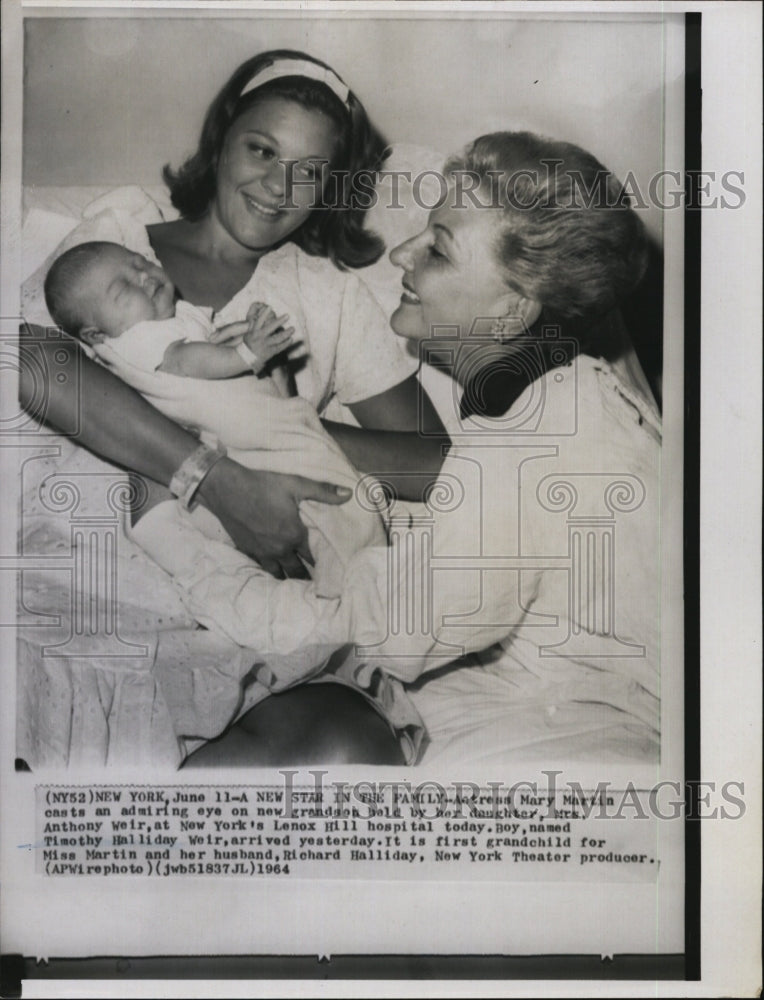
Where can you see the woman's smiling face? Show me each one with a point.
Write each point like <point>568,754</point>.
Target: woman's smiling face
<point>452,276</point>
<point>251,178</point>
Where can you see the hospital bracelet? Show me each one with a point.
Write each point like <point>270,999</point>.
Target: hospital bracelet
<point>191,472</point>
<point>249,357</point>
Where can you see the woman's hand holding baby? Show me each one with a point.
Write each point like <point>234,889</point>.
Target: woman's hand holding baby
<point>260,511</point>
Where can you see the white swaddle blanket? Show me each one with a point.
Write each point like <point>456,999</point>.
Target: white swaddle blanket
<point>260,429</point>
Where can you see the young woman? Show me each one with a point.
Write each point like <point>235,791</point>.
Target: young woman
<point>252,229</point>
<point>279,106</point>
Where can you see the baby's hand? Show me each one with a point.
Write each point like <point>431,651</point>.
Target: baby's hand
<point>267,335</point>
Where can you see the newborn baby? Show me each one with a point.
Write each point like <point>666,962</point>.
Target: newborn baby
<point>124,308</point>
<point>102,292</point>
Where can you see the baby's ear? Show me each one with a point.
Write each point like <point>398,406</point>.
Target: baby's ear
<point>91,335</point>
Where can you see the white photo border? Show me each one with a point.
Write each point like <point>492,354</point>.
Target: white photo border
<point>730,723</point>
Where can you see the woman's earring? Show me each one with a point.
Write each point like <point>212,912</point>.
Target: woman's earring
<point>504,328</point>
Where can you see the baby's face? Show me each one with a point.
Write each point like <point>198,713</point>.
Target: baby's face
<point>121,289</point>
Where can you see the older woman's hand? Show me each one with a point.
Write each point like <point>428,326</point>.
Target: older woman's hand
<point>259,510</point>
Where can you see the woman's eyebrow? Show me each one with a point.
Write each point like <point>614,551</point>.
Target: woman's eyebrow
<point>263,135</point>
<point>274,142</point>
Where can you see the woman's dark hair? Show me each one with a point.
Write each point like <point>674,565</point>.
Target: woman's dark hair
<point>335,230</point>
<point>568,237</point>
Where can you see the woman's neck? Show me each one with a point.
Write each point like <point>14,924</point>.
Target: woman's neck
<point>494,375</point>
<point>213,242</point>
<point>469,358</point>
<point>205,268</point>
<point>464,359</point>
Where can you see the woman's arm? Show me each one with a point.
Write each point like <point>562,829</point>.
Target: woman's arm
<point>401,439</point>
<point>407,462</point>
<point>448,606</point>
<point>403,407</point>
<point>258,509</point>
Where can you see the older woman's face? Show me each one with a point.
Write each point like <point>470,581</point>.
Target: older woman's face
<point>252,181</point>
<point>451,275</point>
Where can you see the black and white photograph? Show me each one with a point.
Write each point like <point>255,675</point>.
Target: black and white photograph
<point>353,549</point>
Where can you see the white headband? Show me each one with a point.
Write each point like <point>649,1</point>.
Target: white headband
<point>299,67</point>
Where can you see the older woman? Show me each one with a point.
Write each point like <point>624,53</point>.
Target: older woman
<point>525,598</point>
<point>251,230</point>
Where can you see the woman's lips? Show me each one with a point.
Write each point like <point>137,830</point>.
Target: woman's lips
<point>409,296</point>
<point>260,208</point>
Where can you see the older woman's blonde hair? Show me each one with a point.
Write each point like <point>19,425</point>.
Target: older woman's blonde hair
<point>568,237</point>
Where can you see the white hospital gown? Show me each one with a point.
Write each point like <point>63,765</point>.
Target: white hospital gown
<point>539,553</point>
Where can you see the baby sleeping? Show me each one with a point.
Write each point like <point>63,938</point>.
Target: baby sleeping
<point>234,393</point>
<point>103,293</point>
